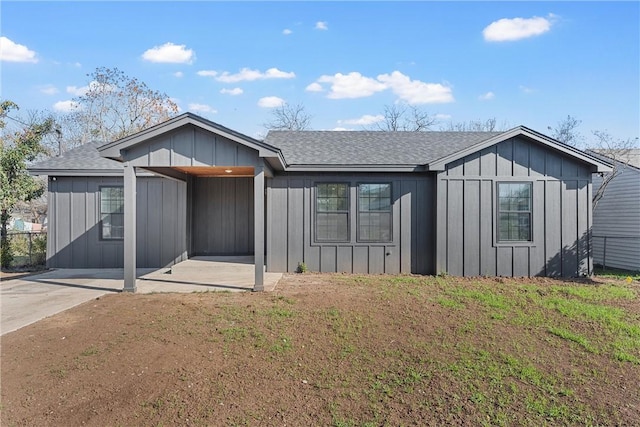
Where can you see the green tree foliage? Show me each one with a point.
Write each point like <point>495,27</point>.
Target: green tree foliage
<point>16,185</point>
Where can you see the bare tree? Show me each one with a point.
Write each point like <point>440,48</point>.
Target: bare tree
<point>566,131</point>
<point>289,117</point>
<point>488,125</point>
<point>114,106</point>
<point>402,117</point>
<point>616,151</point>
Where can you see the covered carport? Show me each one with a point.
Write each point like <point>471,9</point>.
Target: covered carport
<point>194,151</point>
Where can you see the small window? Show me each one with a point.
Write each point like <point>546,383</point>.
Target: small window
<point>514,212</point>
<point>374,213</point>
<point>111,213</point>
<point>332,212</point>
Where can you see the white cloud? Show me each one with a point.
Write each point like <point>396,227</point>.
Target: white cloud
<point>340,129</point>
<point>441,116</point>
<point>178,74</point>
<point>207,73</point>
<point>487,96</point>
<point>526,89</point>
<point>49,89</point>
<point>14,52</point>
<point>233,92</point>
<point>352,85</point>
<point>517,28</point>
<point>415,91</point>
<point>169,53</point>
<point>286,31</point>
<point>77,91</point>
<point>365,120</point>
<point>65,106</point>
<point>82,90</point>
<point>247,74</point>
<point>202,108</point>
<point>270,102</point>
<point>355,85</point>
<point>314,87</point>
<point>321,25</point>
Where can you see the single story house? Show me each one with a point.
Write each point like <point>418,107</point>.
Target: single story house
<point>514,203</point>
<point>616,218</point>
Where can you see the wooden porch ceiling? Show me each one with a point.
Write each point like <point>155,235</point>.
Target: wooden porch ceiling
<point>217,171</point>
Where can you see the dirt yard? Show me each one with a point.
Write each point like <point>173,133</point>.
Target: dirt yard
<point>335,350</point>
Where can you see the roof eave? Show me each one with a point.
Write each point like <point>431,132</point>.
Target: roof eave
<point>353,168</point>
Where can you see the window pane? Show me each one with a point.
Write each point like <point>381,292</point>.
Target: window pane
<point>331,227</point>
<point>332,212</point>
<point>514,211</point>
<point>374,212</point>
<point>112,212</point>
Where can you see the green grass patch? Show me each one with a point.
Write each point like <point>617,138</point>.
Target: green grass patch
<point>570,336</point>
<point>614,273</point>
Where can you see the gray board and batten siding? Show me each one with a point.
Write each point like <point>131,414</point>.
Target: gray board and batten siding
<point>74,240</point>
<point>467,243</point>
<point>442,200</point>
<point>223,218</point>
<point>616,221</point>
<point>291,218</point>
<point>190,146</point>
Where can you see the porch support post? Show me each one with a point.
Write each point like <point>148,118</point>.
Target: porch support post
<point>258,189</point>
<point>129,228</point>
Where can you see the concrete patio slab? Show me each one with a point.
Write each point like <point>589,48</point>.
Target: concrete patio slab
<point>26,300</point>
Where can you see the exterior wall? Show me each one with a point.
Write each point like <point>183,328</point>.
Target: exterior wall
<point>290,226</point>
<point>561,217</point>
<point>617,219</point>
<point>222,218</point>
<point>73,239</point>
<point>190,146</point>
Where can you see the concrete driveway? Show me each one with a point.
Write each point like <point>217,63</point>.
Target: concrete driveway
<point>26,300</point>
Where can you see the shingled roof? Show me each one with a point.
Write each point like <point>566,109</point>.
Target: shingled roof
<point>82,160</point>
<point>336,148</point>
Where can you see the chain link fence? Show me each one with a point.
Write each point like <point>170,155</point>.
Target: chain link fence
<point>27,248</point>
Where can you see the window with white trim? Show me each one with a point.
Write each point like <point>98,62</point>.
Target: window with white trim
<point>332,212</point>
<point>374,212</point>
<point>112,213</point>
<point>514,211</point>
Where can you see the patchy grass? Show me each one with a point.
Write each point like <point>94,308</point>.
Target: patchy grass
<point>338,350</point>
<point>614,273</point>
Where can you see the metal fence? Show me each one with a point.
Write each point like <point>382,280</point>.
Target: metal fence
<point>29,248</point>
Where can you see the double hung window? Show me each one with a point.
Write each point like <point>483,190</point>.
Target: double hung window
<point>374,213</point>
<point>111,213</point>
<point>514,212</point>
<point>332,212</point>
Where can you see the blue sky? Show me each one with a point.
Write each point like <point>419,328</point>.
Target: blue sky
<point>529,63</point>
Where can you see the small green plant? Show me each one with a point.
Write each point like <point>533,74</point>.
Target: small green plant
<point>302,267</point>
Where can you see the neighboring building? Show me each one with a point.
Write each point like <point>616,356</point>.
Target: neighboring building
<point>514,203</point>
<point>616,220</point>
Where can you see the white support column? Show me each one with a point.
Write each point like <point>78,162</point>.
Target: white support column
<point>129,228</point>
<point>258,189</point>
